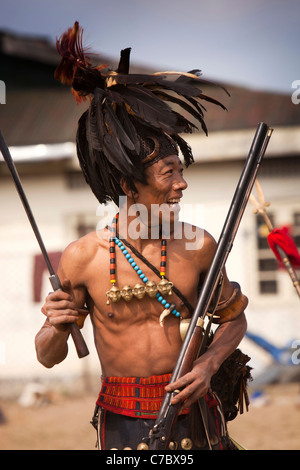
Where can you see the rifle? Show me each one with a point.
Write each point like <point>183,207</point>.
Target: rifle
<point>79,342</point>
<point>161,433</point>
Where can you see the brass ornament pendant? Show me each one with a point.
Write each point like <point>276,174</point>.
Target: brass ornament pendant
<point>127,293</point>
<point>139,291</point>
<point>165,287</point>
<point>151,289</point>
<point>113,294</point>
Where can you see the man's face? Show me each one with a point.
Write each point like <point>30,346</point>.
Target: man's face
<point>163,191</point>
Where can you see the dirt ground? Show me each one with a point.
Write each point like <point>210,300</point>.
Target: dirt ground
<point>64,424</point>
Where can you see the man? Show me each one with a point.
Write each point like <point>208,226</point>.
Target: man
<point>136,329</point>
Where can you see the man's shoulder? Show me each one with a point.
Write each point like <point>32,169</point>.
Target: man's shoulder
<point>85,247</point>
<point>196,238</point>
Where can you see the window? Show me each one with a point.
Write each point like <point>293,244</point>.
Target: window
<point>266,261</point>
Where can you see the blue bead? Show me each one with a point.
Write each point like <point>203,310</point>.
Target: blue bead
<point>130,260</point>
<point>174,311</point>
<point>127,256</point>
<point>142,276</point>
<point>122,247</point>
<point>145,279</point>
<point>160,298</point>
<point>177,314</point>
<point>167,305</point>
<point>163,302</point>
<point>136,268</point>
<point>125,252</point>
<point>133,264</point>
<point>139,271</point>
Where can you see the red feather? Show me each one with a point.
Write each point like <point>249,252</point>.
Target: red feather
<point>70,47</point>
<point>282,238</point>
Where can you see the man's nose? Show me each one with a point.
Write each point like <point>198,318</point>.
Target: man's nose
<point>180,183</point>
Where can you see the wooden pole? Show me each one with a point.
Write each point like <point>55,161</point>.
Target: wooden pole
<point>260,208</point>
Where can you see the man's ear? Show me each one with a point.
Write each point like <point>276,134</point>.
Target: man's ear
<point>127,189</point>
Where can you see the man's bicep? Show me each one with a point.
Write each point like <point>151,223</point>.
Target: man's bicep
<point>69,269</point>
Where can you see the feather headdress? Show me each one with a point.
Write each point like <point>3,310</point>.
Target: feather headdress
<point>131,120</point>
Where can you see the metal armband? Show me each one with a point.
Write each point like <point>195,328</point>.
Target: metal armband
<point>231,308</point>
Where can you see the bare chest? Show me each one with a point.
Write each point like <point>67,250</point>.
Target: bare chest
<point>137,288</point>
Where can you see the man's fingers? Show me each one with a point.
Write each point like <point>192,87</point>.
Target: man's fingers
<point>187,389</point>
<point>180,383</point>
<point>58,295</point>
<point>181,395</point>
<point>61,304</point>
<point>60,307</point>
<point>66,317</point>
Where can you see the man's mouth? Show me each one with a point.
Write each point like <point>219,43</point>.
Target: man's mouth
<point>173,201</point>
<point>174,204</point>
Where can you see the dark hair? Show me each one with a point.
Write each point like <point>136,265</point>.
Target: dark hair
<point>130,122</point>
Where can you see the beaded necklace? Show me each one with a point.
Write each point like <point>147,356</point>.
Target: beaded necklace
<point>146,287</point>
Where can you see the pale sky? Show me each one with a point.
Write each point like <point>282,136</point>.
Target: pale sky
<point>254,43</point>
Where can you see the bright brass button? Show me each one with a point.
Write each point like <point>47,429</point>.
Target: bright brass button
<point>186,443</point>
<point>143,446</point>
<point>172,446</point>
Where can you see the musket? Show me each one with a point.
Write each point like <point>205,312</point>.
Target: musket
<point>161,433</point>
<point>78,339</point>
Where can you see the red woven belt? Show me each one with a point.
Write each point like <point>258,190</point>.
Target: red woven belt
<point>138,397</point>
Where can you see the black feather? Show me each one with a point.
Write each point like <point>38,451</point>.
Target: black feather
<point>124,61</point>
<point>185,149</point>
<point>116,128</point>
<point>152,110</point>
<point>129,128</point>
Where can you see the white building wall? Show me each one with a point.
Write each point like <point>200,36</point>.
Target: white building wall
<point>54,208</point>
<point>211,187</point>
<point>275,317</point>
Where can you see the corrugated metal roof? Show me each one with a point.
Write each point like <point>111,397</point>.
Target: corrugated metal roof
<point>37,116</point>
<point>46,116</point>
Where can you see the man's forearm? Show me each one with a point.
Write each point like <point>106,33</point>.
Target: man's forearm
<point>51,345</point>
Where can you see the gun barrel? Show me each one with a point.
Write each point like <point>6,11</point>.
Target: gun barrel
<point>79,342</point>
<point>185,360</point>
